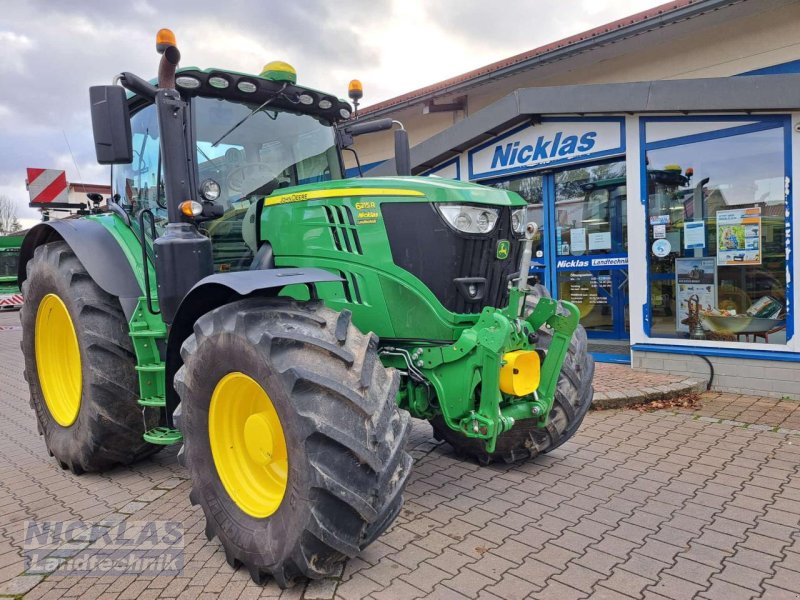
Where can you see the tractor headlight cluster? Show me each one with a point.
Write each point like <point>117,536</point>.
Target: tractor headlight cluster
<point>469,219</point>
<point>210,190</point>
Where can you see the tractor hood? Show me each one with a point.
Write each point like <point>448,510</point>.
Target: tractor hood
<point>421,189</point>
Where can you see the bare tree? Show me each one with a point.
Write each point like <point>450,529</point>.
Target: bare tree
<point>8,216</point>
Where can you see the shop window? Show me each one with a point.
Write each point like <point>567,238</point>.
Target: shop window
<point>716,207</point>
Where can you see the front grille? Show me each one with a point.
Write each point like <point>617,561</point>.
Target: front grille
<point>423,244</point>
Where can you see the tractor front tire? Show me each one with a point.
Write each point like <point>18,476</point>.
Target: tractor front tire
<point>292,437</point>
<point>80,366</point>
<point>572,401</point>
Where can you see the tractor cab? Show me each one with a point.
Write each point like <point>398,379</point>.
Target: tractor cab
<point>252,135</point>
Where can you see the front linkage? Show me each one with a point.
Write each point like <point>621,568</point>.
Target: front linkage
<point>494,363</point>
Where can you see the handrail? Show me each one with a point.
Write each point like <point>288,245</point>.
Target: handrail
<point>145,262</point>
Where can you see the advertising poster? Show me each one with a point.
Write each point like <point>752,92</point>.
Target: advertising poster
<point>694,235</point>
<point>739,237</point>
<point>694,276</point>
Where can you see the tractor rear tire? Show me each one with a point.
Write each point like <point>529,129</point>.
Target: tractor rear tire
<point>572,401</point>
<point>92,421</point>
<point>292,436</point>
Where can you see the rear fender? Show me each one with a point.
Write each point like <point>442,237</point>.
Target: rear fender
<point>98,251</point>
<point>222,288</point>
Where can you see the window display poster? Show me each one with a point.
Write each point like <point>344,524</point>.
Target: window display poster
<point>577,239</point>
<point>694,235</point>
<point>739,237</point>
<point>694,276</point>
<point>588,288</point>
<point>600,241</point>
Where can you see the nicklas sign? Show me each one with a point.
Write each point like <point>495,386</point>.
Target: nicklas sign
<point>549,143</point>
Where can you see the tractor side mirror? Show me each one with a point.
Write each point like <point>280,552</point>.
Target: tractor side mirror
<point>111,124</point>
<point>402,150</point>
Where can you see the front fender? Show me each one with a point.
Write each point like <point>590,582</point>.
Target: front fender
<point>98,251</point>
<point>222,288</point>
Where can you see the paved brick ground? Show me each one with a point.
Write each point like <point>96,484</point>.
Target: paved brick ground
<point>636,505</point>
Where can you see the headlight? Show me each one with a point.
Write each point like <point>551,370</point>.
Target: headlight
<point>517,220</point>
<point>520,218</point>
<point>209,190</point>
<point>469,219</point>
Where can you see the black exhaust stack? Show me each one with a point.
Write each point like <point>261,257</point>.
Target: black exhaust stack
<point>182,255</point>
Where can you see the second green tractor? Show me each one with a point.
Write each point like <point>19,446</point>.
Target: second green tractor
<point>282,323</point>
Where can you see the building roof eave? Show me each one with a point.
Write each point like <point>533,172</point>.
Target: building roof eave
<point>712,95</point>
<point>610,33</point>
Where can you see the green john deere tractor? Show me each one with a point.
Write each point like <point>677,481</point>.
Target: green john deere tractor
<point>282,323</point>
<point>10,296</point>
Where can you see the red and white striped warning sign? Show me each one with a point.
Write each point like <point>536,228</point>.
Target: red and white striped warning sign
<point>8,301</point>
<point>46,186</point>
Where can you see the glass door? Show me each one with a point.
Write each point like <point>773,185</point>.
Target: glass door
<point>580,252</point>
<point>590,245</point>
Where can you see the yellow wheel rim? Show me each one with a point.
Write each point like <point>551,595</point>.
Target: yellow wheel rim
<point>248,445</point>
<point>58,360</point>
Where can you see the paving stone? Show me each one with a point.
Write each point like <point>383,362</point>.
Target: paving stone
<point>627,583</point>
<point>451,561</point>
<point>468,582</point>
<point>691,571</point>
<point>511,587</point>
<point>535,571</point>
<point>397,590</point>
<point>644,566</point>
<point>785,579</point>
<point>321,589</point>
<point>774,593</point>
<point>357,587</point>
<point>442,592</point>
<point>676,588</point>
<point>492,566</point>
<point>426,576</point>
<point>742,576</point>
<point>579,577</point>
<point>555,556</point>
<point>723,590</point>
<point>21,585</point>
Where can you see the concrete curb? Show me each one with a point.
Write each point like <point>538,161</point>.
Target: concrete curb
<point>621,399</point>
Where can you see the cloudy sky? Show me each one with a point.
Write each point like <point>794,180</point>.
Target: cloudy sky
<point>52,51</point>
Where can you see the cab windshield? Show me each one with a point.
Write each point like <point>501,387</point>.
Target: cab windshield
<point>271,149</point>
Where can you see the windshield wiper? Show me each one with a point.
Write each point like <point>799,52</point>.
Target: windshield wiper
<point>246,118</point>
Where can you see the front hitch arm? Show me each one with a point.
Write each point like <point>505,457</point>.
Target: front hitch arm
<point>562,318</point>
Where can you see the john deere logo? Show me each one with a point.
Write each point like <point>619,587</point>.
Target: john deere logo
<point>502,249</point>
